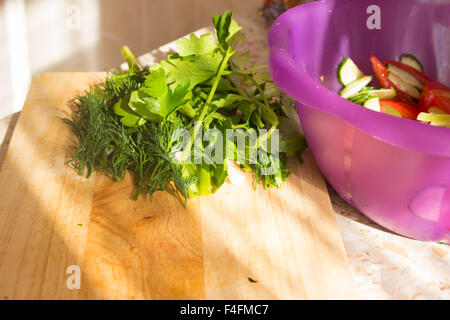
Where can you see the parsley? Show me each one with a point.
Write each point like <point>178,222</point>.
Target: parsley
<point>155,101</point>
<point>129,122</point>
<point>194,45</point>
<point>194,69</point>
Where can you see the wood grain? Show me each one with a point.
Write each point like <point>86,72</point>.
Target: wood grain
<point>236,244</point>
<point>284,239</point>
<point>42,200</point>
<point>151,250</point>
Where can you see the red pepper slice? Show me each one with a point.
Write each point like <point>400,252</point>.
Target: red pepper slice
<point>381,72</point>
<point>441,99</point>
<point>416,73</point>
<point>405,110</point>
<point>435,94</point>
<point>443,93</point>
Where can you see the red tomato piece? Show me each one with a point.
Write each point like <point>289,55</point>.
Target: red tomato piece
<point>441,99</point>
<point>405,110</point>
<point>435,94</point>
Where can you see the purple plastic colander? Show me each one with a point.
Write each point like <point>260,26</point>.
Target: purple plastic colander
<point>396,171</point>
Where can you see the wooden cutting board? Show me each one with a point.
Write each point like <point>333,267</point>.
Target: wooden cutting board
<point>235,244</point>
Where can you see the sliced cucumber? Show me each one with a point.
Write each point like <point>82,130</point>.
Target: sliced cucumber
<point>355,86</point>
<point>368,88</point>
<point>405,76</point>
<point>360,98</point>
<point>370,92</point>
<point>411,61</point>
<point>402,85</point>
<point>348,71</point>
<point>373,104</point>
<point>383,94</point>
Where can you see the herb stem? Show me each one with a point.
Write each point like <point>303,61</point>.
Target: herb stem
<point>271,116</point>
<point>188,110</point>
<point>236,87</point>
<point>129,58</point>
<point>222,67</point>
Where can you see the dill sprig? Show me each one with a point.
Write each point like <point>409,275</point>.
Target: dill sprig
<point>105,144</point>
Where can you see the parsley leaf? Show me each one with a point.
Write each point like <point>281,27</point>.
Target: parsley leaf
<point>226,101</point>
<point>194,45</point>
<point>156,101</point>
<point>196,70</point>
<point>129,117</point>
<point>241,60</point>
<point>226,29</point>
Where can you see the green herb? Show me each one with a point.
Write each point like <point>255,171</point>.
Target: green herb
<point>194,45</point>
<point>155,101</point>
<point>129,58</point>
<point>130,121</point>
